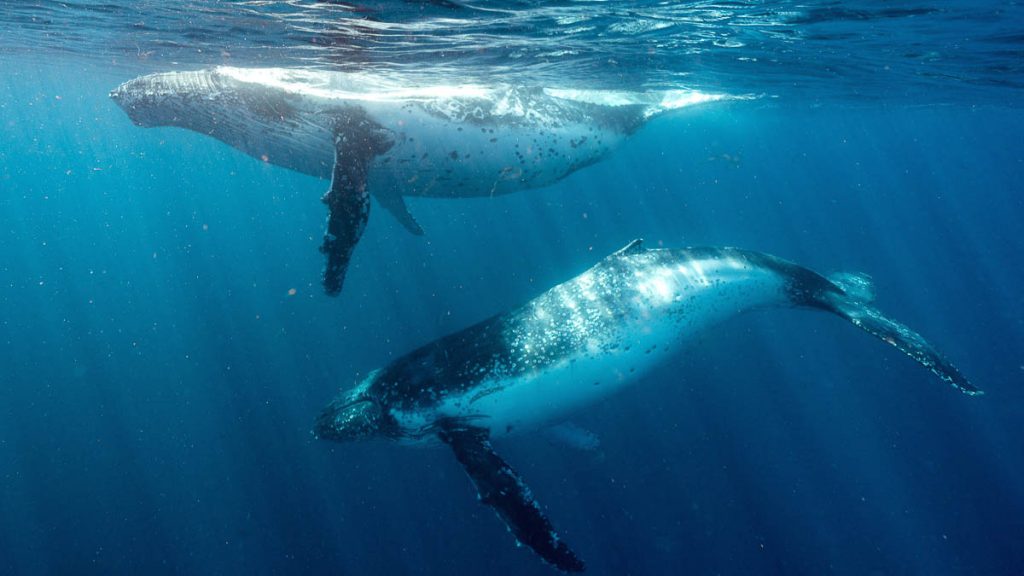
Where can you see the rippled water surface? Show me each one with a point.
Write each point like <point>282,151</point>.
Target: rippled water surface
<point>939,51</point>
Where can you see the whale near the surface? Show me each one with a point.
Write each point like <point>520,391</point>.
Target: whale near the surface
<point>377,137</point>
<point>579,343</point>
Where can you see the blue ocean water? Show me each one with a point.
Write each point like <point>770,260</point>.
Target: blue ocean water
<point>159,379</point>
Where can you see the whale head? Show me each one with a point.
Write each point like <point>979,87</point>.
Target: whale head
<point>166,99</point>
<point>354,415</point>
<point>346,421</point>
<point>205,101</point>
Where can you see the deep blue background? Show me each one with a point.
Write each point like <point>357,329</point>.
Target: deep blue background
<point>157,382</point>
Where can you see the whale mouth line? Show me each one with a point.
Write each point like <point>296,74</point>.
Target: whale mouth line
<point>334,409</point>
<point>125,100</point>
<point>349,420</point>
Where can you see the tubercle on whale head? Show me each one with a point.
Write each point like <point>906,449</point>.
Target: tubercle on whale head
<point>169,98</point>
<point>345,420</point>
<point>355,415</point>
<point>144,105</point>
<point>144,99</point>
<point>125,96</point>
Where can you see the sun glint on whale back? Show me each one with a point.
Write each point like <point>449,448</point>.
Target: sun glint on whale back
<point>578,343</point>
<point>377,138</point>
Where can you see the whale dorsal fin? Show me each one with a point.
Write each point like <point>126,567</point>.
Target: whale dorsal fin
<point>634,247</point>
<point>499,487</point>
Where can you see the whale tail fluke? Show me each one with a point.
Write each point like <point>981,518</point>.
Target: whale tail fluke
<point>854,301</point>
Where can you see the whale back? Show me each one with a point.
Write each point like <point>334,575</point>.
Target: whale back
<point>458,140</point>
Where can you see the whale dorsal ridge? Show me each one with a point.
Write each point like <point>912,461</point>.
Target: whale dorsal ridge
<point>634,247</point>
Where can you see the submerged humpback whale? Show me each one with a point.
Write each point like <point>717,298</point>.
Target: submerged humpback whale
<point>578,343</point>
<point>380,138</point>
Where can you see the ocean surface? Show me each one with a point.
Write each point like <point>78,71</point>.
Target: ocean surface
<point>165,344</point>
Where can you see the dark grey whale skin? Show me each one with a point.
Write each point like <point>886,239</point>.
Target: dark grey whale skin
<point>485,361</point>
<point>390,141</point>
<point>460,143</point>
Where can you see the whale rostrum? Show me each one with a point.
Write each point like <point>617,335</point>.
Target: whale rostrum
<point>381,138</point>
<point>578,343</point>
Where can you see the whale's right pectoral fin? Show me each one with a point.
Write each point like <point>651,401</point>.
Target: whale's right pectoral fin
<point>395,204</point>
<point>499,487</point>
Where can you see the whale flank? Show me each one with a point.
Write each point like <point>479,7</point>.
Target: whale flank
<point>577,343</point>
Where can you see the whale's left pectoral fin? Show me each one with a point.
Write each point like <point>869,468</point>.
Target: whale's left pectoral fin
<point>499,487</point>
<point>356,143</point>
<point>348,206</point>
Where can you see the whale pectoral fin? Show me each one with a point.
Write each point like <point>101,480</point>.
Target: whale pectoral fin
<point>395,204</point>
<point>499,487</point>
<point>357,141</point>
<point>348,206</point>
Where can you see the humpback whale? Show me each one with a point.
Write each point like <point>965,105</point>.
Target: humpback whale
<point>577,343</point>
<point>380,138</point>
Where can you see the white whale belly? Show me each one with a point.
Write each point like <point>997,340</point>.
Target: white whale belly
<point>435,157</point>
<point>660,312</point>
<point>533,401</point>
